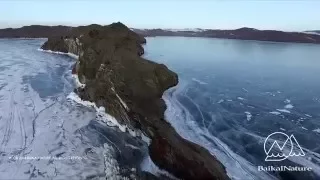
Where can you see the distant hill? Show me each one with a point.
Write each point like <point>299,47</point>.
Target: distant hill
<point>314,31</point>
<point>242,34</point>
<point>38,31</point>
<point>34,31</point>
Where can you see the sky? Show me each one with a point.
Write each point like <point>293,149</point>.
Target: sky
<point>294,15</point>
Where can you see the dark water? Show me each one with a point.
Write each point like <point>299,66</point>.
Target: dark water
<point>46,135</point>
<point>232,94</point>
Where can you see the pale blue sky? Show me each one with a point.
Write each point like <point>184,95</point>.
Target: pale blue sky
<point>295,15</point>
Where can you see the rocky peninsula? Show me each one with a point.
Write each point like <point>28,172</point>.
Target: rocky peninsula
<point>130,89</point>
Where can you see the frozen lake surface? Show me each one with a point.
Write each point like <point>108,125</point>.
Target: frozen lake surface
<point>43,134</point>
<point>232,94</point>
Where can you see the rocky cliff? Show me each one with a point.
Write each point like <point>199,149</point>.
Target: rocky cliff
<point>130,88</point>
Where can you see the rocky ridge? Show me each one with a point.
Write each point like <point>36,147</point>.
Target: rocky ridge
<point>35,31</point>
<point>130,88</point>
<point>245,33</point>
<point>240,34</point>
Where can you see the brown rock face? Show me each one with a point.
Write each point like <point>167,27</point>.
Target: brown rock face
<point>182,158</point>
<point>55,44</point>
<point>130,88</point>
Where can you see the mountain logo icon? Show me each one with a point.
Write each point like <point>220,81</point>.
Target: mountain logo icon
<point>278,146</point>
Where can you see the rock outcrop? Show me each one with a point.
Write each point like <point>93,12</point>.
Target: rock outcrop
<point>182,158</point>
<point>61,44</point>
<point>56,44</point>
<point>130,88</point>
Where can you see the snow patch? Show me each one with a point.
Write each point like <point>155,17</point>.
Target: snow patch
<point>77,81</point>
<point>29,38</point>
<point>249,115</point>
<point>186,29</point>
<point>316,130</point>
<point>287,101</point>
<point>308,115</point>
<point>57,52</point>
<point>275,113</point>
<point>244,89</point>
<point>198,81</point>
<point>220,101</point>
<point>102,115</point>
<point>107,118</point>
<point>121,101</point>
<point>288,106</point>
<point>283,110</point>
<point>311,32</point>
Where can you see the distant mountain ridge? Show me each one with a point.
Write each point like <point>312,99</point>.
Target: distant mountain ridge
<point>245,33</point>
<point>241,34</point>
<point>314,31</point>
<point>34,31</point>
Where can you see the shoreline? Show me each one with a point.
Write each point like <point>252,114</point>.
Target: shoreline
<point>245,40</point>
<point>101,115</point>
<point>100,111</point>
<point>179,36</point>
<point>239,34</point>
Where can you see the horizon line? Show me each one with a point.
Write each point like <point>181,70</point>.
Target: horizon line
<point>186,28</point>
